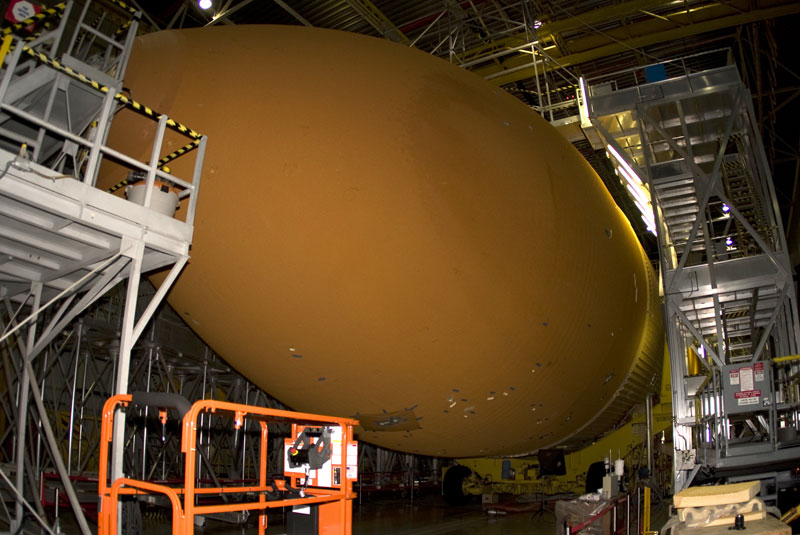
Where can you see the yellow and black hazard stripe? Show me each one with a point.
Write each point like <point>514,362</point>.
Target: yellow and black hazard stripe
<point>737,314</point>
<point>145,110</point>
<point>137,106</point>
<point>180,152</point>
<point>161,163</point>
<point>45,27</point>
<point>122,29</point>
<point>44,58</point>
<point>57,9</point>
<point>121,184</point>
<point>34,36</point>
<point>5,48</point>
<point>127,181</point>
<point>130,9</point>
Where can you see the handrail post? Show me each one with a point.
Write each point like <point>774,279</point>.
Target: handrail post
<point>628,515</point>
<point>639,510</point>
<point>262,477</point>
<point>93,164</point>
<point>614,518</point>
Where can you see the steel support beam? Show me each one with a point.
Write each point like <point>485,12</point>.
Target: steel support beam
<point>596,16</point>
<point>646,33</point>
<point>292,12</point>
<point>378,20</point>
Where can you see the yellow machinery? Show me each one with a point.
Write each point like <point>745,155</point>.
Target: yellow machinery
<point>523,475</point>
<point>555,472</point>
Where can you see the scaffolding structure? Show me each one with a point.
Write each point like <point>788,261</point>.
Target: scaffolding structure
<point>65,243</point>
<point>76,374</point>
<point>688,150</point>
<point>487,34</point>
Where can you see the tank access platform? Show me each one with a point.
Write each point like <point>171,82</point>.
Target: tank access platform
<point>64,242</point>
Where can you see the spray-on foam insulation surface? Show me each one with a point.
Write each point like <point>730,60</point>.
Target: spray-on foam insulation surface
<point>382,233</point>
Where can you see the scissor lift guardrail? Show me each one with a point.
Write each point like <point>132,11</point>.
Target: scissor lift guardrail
<point>329,487</point>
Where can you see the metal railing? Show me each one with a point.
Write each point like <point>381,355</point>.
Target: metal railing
<point>297,488</point>
<point>621,516</point>
<point>672,68</point>
<point>88,148</point>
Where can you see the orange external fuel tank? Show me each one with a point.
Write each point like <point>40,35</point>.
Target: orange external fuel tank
<point>381,234</point>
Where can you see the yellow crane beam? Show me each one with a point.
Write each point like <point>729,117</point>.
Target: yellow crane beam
<point>676,25</point>
<point>596,16</point>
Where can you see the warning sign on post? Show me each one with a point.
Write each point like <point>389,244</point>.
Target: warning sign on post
<point>751,397</point>
<point>746,378</point>
<point>746,387</point>
<point>19,10</point>
<point>352,460</point>
<point>734,375</point>
<point>758,371</point>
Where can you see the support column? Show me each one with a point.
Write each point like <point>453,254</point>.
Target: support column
<point>134,250</point>
<point>22,414</point>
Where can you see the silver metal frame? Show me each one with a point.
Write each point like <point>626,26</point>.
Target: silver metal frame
<point>729,297</point>
<point>65,244</point>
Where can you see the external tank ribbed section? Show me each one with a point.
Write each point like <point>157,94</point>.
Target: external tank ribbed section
<point>643,377</point>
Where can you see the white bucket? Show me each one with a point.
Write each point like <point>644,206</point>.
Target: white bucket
<point>163,202</point>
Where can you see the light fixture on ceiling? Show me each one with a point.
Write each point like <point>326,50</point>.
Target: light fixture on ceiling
<point>204,4</point>
<point>638,190</point>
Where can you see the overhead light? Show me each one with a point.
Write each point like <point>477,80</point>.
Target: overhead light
<point>622,162</point>
<point>637,194</point>
<point>633,180</point>
<point>204,4</point>
<point>583,106</point>
<point>651,226</point>
<point>537,24</point>
<point>637,189</point>
<point>729,241</point>
<point>642,210</point>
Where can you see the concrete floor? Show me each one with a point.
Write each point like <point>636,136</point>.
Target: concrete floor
<point>426,515</point>
<point>430,515</point>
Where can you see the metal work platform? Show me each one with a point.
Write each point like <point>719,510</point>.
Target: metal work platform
<point>67,235</point>
<point>688,151</point>
<point>63,242</point>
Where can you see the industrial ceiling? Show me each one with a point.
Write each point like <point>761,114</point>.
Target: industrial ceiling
<point>601,40</point>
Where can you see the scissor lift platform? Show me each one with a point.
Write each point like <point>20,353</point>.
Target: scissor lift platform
<point>320,464</point>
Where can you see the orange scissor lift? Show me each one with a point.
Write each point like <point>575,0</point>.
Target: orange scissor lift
<point>320,465</point>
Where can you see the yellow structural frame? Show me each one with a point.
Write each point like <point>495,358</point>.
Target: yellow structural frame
<point>487,472</point>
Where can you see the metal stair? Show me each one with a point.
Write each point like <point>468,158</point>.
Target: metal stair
<point>727,279</point>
